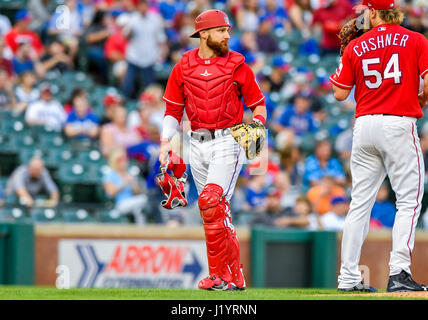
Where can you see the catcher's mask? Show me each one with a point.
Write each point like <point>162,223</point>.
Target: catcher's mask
<point>173,186</point>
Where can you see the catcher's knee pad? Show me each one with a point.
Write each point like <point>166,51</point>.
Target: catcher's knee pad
<point>211,203</point>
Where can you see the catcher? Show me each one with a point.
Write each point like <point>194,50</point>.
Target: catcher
<point>210,83</point>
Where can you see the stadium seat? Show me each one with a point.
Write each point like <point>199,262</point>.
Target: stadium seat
<point>45,215</point>
<point>12,4</point>
<point>26,153</point>
<point>57,157</point>
<point>93,156</point>
<point>12,126</point>
<point>110,216</point>
<point>72,173</point>
<point>6,145</point>
<point>77,215</point>
<point>244,218</point>
<point>48,140</point>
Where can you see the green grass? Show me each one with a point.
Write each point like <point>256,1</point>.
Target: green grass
<point>51,293</point>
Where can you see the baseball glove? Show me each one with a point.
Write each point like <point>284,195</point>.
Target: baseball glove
<point>349,32</point>
<point>251,137</point>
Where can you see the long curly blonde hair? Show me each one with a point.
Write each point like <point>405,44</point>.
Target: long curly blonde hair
<point>391,16</point>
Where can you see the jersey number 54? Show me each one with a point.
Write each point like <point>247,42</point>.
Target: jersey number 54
<point>392,71</point>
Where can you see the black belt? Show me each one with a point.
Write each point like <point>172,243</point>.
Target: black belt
<point>210,135</point>
<point>394,115</point>
<point>202,136</point>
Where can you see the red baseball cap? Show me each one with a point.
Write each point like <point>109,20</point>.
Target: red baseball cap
<point>375,4</point>
<point>210,19</point>
<point>148,97</point>
<point>111,99</point>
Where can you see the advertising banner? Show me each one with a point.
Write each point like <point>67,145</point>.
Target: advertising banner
<point>133,263</point>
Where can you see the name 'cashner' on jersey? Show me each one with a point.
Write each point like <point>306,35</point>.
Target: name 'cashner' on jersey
<point>380,42</point>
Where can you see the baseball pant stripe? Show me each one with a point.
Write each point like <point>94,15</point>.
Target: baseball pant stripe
<point>234,171</point>
<point>419,187</point>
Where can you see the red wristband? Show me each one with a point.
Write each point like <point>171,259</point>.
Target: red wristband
<point>260,118</point>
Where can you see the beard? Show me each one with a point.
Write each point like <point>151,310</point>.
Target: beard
<point>219,48</point>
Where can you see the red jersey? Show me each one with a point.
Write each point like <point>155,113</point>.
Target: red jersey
<point>331,19</point>
<point>115,43</point>
<point>385,65</point>
<point>14,37</point>
<point>243,76</point>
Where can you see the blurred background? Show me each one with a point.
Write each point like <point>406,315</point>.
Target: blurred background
<point>81,113</point>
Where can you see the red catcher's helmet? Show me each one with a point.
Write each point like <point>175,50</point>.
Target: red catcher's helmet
<point>210,19</point>
<point>173,187</point>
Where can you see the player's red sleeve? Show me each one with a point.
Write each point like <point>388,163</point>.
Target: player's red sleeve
<point>423,56</point>
<point>173,96</point>
<point>343,77</point>
<point>248,86</point>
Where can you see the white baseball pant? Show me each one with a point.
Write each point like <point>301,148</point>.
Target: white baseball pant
<point>383,145</point>
<point>216,161</point>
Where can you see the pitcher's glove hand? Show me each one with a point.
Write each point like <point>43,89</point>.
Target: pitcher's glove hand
<point>251,137</point>
<point>350,31</point>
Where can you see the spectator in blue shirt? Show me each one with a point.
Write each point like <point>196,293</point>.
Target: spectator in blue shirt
<point>124,188</point>
<point>277,15</point>
<point>321,162</point>
<point>81,123</point>
<point>383,212</point>
<point>256,193</point>
<point>297,117</point>
<point>25,60</point>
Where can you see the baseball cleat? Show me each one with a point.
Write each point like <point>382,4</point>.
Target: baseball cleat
<point>216,283</point>
<point>403,282</point>
<point>361,287</point>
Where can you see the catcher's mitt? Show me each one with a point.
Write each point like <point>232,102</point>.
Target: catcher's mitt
<point>350,31</point>
<point>251,137</point>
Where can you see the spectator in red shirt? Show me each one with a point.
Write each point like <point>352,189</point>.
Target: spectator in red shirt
<point>21,33</point>
<point>5,63</point>
<point>331,17</point>
<point>115,48</point>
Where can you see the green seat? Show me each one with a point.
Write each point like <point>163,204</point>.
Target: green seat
<point>45,215</point>
<point>244,218</point>
<point>95,172</point>
<point>77,215</point>
<point>28,152</point>
<point>6,145</point>
<point>308,143</point>
<point>89,157</point>
<point>13,214</point>
<point>57,157</point>
<point>23,140</point>
<point>13,126</point>
<point>110,216</point>
<point>48,140</point>
<point>72,173</point>
<point>12,4</point>
<point>78,192</point>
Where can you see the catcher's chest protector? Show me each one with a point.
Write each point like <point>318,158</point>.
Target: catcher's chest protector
<point>212,99</point>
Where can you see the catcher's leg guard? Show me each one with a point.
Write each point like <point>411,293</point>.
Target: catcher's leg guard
<point>234,254</point>
<point>213,213</point>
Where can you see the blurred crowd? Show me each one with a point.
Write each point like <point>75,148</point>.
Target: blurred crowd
<point>131,45</point>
